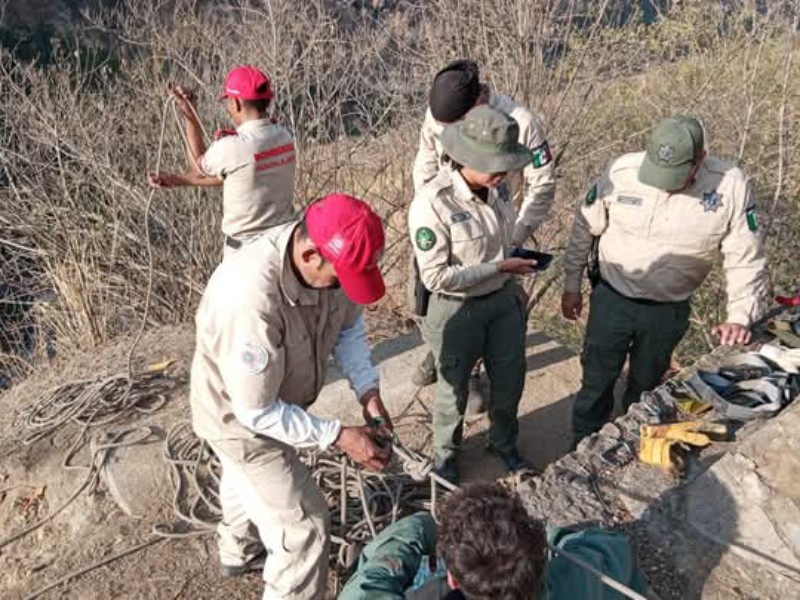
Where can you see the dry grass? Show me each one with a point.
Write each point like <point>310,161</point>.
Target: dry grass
<point>78,135</point>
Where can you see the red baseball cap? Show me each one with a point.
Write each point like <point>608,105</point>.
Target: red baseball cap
<point>247,83</point>
<point>350,235</point>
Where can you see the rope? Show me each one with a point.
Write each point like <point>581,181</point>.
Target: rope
<point>82,571</point>
<point>92,402</point>
<point>99,456</point>
<point>361,502</point>
<point>99,402</point>
<point>170,100</point>
<point>609,581</point>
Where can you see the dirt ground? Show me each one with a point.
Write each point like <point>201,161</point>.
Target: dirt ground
<point>92,527</point>
<point>33,482</point>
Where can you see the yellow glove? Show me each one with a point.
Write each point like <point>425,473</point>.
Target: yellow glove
<point>657,440</point>
<point>690,432</point>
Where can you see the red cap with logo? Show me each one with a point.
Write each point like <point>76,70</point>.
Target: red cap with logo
<point>349,235</point>
<point>247,83</point>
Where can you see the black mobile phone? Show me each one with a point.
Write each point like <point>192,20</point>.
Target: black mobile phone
<point>543,259</point>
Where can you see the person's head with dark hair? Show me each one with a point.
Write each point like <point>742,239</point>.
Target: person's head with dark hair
<point>247,93</point>
<point>492,548</point>
<point>456,89</point>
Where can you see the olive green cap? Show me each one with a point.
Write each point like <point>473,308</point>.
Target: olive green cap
<point>486,140</point>
<point>674,148</point>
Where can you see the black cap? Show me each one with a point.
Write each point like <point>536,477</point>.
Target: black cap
<point>455,90</point>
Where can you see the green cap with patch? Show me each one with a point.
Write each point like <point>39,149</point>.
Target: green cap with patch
<point>674,148</point>
<point>486,140</point>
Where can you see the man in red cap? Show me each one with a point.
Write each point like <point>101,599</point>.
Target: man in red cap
<point>254,164</point>
<point>270,317</point>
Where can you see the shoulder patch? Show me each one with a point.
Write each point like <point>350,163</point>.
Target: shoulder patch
<point>425,238</point>
<point>253,358</point>
<point>751,216</point>
<point>752,220</point>
<point>591,195</point>
<point>541,155</point>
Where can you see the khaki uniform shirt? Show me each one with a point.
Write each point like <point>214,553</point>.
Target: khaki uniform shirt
<point>458,239</point>
<point>261,335</point>
<point>661,246</point>
<point>257,166</point>
<point>532,189</point>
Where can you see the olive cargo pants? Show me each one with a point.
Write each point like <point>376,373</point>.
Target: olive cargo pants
<point>618,326</point>
<point>459,332</point>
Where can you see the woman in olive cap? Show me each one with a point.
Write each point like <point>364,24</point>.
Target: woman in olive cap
<point>460,225</point>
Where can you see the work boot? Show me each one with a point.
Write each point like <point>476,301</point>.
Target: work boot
<point>476,398</point>
<point>447,469</point>
<point>426,371</point>
<point>254,564</point>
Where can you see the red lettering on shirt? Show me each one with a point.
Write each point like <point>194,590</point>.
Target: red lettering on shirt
<point>275,163</point>
<point>274,152</point>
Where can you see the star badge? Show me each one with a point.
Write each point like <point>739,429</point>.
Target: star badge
<point>665,153</point>
<point>711,201</point>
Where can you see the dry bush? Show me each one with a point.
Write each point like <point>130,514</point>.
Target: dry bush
<point>78,135</point>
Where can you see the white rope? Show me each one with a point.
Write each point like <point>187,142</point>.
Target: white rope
<point>609,581</point>
<point>150,267</point>
<point>169,102</point>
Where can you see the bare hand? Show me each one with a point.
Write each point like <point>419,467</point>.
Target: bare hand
<point>518,266</point>
<point>166,180</point>
<point>732,334</point>
<point>358,444</point>
<point>185,99</point>
<point>571,305</point>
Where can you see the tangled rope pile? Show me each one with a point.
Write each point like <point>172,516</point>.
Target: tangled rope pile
<point>94,402</point>
<point>361,503</point>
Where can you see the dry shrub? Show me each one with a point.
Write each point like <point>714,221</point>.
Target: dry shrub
<point>79,134</point>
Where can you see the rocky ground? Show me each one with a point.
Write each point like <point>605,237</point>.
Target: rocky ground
<point>654,508</point>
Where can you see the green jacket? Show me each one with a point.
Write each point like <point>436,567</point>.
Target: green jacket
<point>394,565</point>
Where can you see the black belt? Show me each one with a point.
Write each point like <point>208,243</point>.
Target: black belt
<point>232,242</point>
<point>643,301</point>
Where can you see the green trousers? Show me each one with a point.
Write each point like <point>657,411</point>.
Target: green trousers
<point>459,332</point>
<point>619,326</point>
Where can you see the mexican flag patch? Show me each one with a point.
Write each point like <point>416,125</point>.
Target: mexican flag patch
<point>541,155</point>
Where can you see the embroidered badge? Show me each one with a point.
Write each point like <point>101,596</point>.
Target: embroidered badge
<point>461,217</point>
<point>630,200</point>
<point>665,153</point>
<point>254,358</point>
<point>711,201</point>
<point>591,195</point>
<point>751,216</point>
<point>541,155</point>
<point>425,238</point>
<point>335,245</point>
